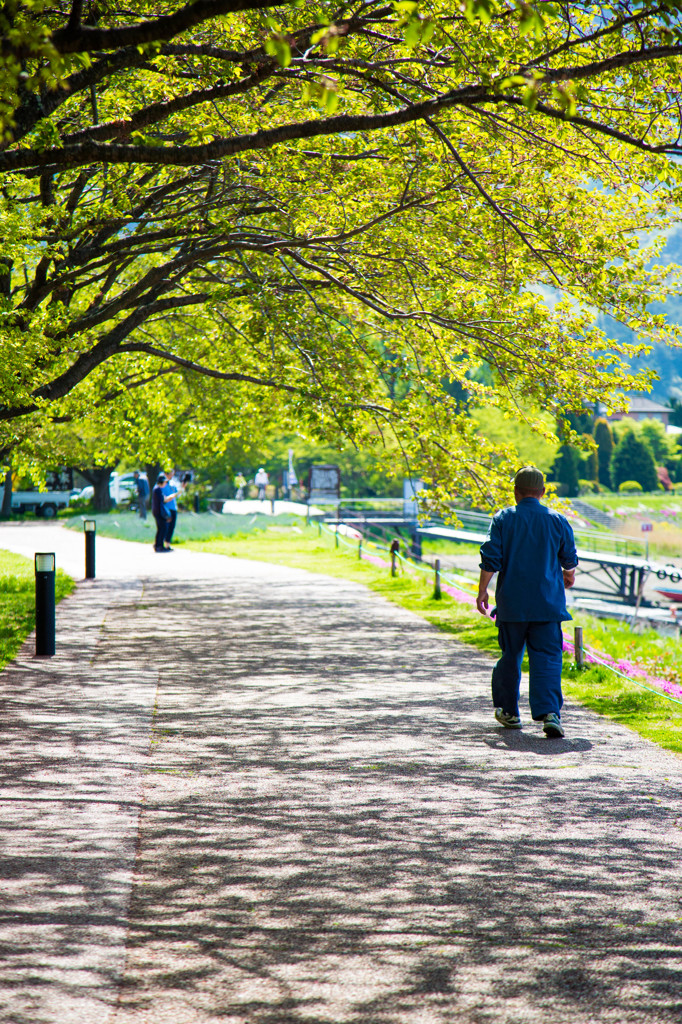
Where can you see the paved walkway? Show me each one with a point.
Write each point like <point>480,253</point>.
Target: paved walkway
<point>248,795</point>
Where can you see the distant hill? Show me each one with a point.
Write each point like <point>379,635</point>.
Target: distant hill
<point>667,362</point>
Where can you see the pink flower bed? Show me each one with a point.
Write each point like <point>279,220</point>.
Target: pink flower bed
<point>628,668</point>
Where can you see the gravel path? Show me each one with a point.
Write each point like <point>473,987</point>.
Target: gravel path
<point>249,795</point>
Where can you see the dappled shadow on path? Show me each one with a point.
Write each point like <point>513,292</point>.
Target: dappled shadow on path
<point>327,826</point>
<point>74,734</point>
<point>336,831</point>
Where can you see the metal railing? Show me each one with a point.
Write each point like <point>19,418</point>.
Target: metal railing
<point>467,589</point>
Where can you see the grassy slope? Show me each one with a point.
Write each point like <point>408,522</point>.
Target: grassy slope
<point>124,525</point>
<point>599,689</point>
<point>17,601</point>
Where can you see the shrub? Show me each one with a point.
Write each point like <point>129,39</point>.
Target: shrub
<point>81,505</point>
<point>630,485</point>
<point>588,487</point>
<point>632,459</point>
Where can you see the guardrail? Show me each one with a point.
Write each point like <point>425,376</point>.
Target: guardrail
<point>464,589</point>
<point>588,540</point>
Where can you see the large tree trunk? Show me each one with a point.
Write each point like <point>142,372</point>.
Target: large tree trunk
<point>99,478</point>
<point>6,510</point>
<point>152,470</point>
<point>6,485</point>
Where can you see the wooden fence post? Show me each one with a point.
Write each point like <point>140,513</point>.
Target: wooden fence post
<point>578,647</point>
<point>395,547</point>
<point>436,583</point>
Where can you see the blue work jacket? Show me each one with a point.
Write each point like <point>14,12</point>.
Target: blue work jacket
<point>528,545</point>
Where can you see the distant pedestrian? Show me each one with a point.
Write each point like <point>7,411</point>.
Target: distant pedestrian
<point>292,479</point>
<point>532,548</point>
<point>170,491</point>
<point>240,484</point>
<point>142,488</point>
<point>160,513</point>
<point>261,480</point>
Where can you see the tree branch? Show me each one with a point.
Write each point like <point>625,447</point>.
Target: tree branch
<point>74,22</point>
<point>206,371</point>
<point>159,111</point>
<point>87,37</point>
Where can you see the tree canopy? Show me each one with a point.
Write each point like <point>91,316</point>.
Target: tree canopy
<point>333,211</point>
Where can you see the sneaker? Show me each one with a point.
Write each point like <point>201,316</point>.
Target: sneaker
<point>508,721</point>
<point>552,727</point>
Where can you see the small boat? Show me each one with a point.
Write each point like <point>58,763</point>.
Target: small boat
<point>671,592</point>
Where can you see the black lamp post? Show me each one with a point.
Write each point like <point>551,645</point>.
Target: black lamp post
<point>45,603</point>
<point>90,530</point>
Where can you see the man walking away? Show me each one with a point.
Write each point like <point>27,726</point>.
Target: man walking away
<point>532,549</point>
<point>142,488</point>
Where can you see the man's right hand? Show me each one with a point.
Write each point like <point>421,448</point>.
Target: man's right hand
<point>569,578</point>
<point>482,602</point>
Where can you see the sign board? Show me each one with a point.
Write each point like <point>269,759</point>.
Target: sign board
<point>59,480</point>
<point>324,483</point>
<point>411,489</point>
<point>647,527</point>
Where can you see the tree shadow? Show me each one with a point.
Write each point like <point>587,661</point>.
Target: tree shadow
<point>333,830</point>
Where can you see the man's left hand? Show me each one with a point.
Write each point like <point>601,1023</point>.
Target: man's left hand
<point>482,602</point>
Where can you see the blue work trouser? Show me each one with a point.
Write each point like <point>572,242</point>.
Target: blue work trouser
<point>170,529</point>
<point>544,642</point>
<point>161,531</point>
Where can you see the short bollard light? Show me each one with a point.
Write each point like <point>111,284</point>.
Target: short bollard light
<point>90,531</point>
<point>436,580</point>
<point>360,549</point>
<point>45,603</point>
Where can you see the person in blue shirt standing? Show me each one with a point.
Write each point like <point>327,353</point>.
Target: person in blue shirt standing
<point>170,490</point>
<point>532,549</point>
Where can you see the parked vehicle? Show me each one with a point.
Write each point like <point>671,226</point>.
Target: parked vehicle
<point>121,489</point>
<point>43,503</point>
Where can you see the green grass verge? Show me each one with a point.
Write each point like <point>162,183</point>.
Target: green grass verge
<point>655,500</point>
<point>17,601</point>
<point>597,688</point>
<point>646,713</point>
<point>124,525</point>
